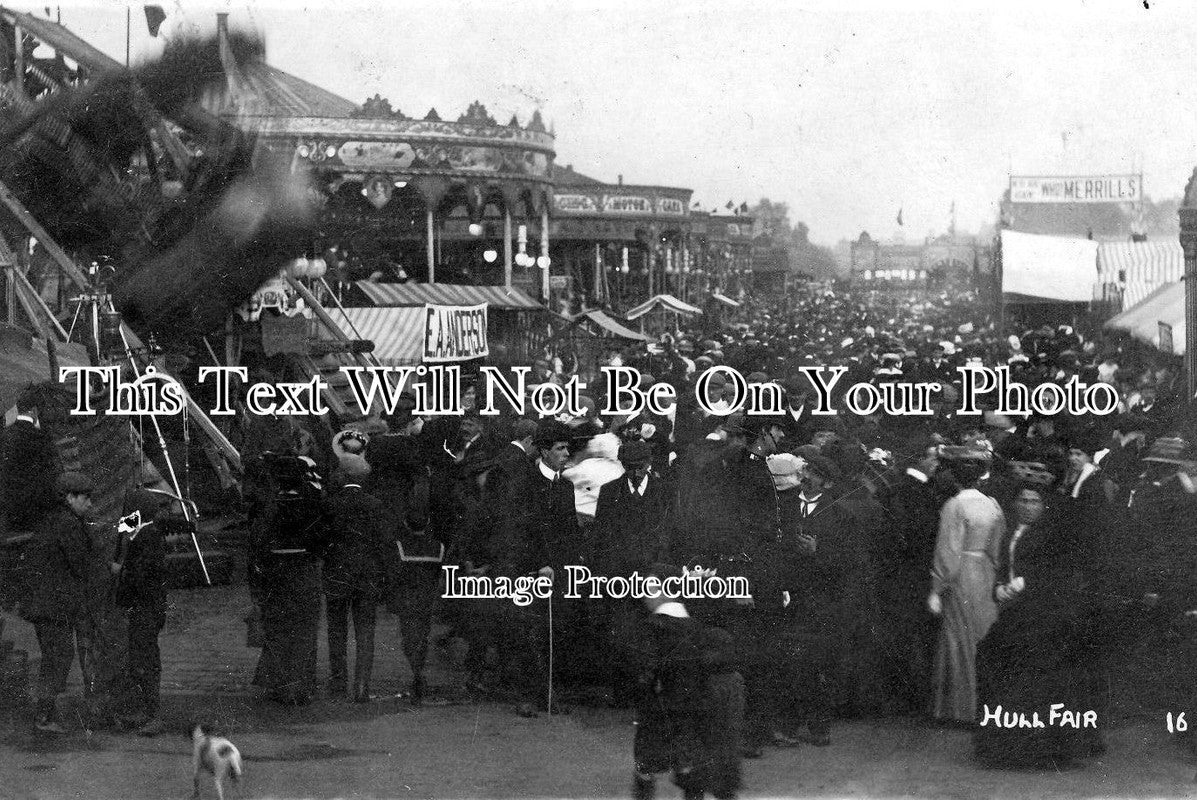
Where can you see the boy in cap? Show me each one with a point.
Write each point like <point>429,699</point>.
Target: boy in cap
<point>62,557</point>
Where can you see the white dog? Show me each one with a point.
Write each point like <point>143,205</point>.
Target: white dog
<point>216,756</point>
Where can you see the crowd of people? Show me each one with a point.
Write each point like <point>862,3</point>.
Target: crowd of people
<point>942,565</point>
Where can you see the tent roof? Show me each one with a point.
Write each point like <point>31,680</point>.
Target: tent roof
<point>1050,267</point>
<point>610,324</point>
<point>446,294</point>
<point>667,302</point>
<point>727,301</point>
<point>1166,304</point>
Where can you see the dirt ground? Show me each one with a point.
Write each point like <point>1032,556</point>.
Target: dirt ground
<point>386,749</point>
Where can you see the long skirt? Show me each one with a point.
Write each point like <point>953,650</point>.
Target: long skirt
<point>290,621</point>
<point>1041,652</point>
<point>968,613</point>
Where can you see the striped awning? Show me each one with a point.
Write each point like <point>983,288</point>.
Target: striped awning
<point>1141,267</point>
<point>397,333</point>
<point>665,301</point>
<point>446,294</point>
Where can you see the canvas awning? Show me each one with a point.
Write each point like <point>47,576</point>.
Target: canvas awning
<point>446,294</point>
<point>397,333</point>
<point>1167,305</point>
<point>727,301</point>
<point>610,324</point>
<point>666,302</point>
<point>1051,268</point>
<point>1140,267</point>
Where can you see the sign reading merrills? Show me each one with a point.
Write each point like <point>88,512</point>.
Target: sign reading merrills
<point>1078,189</point>
<point>454,333</point>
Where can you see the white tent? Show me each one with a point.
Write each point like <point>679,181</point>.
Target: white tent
<point>1047,268</point>
<point>1167,305</point>
<point>665,301</point>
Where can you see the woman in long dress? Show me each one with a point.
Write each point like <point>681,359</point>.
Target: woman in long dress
<point>1042,649</point>
<point>971,528</point>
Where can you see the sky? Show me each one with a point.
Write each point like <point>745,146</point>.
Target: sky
<point>847,111</point>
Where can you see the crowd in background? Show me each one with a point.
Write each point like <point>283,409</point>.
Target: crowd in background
<point>935,565</point>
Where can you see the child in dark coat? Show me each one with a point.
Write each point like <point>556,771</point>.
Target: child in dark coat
<point>141,588</point>
<point>690,702</point>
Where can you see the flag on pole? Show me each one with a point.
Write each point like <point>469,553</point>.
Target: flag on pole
<point>154,17</point>
<point>899,216</point>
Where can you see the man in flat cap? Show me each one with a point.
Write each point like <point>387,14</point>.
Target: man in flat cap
<point>28,467</point>
<point>632,527</point>
<point>61,562</point>
<point>541,536</point>
<point>822,546</point>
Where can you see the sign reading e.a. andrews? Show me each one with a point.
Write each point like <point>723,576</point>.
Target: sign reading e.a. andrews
<point>1076,189</point>
<point>454,333</point>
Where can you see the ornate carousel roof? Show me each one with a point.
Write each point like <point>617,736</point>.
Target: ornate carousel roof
<point>280,94</point>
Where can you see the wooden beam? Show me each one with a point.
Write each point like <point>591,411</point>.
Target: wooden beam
<point>24,285</point>
<point>27,305</point>
<point>26,219</point>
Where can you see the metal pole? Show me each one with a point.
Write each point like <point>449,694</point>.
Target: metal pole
<point>544,251</point>
<point>128,28</point>
<point>170,467</point>
<point>598,274</point>
<point>430,230</point>
<point>507,253</point>
<point>1188,242</point>
<point>648,267</point>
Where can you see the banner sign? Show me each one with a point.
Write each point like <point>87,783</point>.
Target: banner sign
<point>1079,189</point>
<point>454,333</point>
<point>626,204</point>
<point>574,203</point>
<point>670,205</point>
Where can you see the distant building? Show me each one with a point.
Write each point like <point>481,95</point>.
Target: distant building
<point>932,260</point>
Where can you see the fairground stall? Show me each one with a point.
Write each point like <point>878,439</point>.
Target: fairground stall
<point>593,338</point>
<point>661,314</point>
